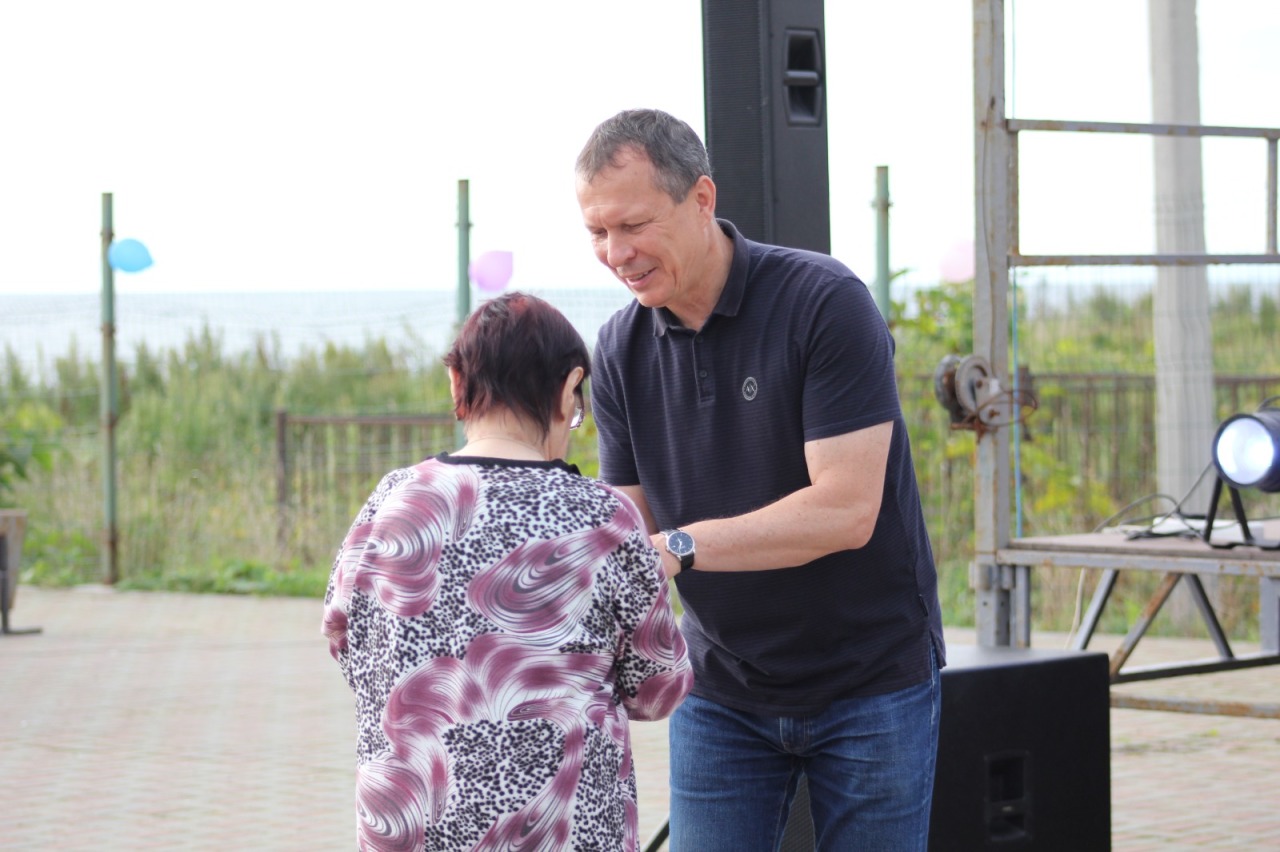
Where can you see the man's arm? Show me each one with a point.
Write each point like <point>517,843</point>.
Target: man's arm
<point>837,511</point>
<point>636,493</point>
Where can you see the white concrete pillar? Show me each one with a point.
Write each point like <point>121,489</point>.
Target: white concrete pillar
<point>1186,419</point>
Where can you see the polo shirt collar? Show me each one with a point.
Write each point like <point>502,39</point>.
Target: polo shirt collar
<point>734,287</point>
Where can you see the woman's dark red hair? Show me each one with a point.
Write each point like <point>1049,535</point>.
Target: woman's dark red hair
<point>514,353</point>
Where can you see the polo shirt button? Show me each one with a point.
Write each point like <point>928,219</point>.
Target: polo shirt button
<point>702,374</point>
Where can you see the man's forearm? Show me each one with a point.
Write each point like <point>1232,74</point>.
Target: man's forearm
<point>838,511</point>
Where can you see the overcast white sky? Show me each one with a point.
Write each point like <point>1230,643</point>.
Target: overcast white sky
<point>312,144</point>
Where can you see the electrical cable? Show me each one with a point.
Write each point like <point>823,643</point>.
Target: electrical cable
<point>1116,519</point>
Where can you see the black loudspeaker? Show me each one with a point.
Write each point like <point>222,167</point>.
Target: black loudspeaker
<point>1024,755</point>
<point>765,84</point>
<point>797,834</point>
<point>1024,752</point>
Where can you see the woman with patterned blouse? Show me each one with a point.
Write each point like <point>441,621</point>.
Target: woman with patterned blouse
<point>500,617</point>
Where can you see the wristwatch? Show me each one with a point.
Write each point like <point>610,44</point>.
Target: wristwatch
<point>680,545</point>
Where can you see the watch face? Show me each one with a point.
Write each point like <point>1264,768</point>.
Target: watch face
<point>680,543</point>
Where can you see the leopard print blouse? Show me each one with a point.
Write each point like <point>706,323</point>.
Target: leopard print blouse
<point>499,623</point>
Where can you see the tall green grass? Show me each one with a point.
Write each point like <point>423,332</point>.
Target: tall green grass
<point>197,456</point>
<point>195,443</point>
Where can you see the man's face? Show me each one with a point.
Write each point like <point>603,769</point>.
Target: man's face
<point>655,246</point>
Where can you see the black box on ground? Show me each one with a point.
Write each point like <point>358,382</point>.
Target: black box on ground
<point>1024,752</point>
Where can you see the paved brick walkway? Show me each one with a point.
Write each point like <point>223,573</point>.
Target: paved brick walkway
<point>143,721</point>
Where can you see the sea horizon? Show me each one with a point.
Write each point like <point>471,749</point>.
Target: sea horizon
<point>38,328</point>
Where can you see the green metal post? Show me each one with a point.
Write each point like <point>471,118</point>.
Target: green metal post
<point>882,240</point>
<point>109,402</point>
<point>464,251</point>
<point>464,274</point>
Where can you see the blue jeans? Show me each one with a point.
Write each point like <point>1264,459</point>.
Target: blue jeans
<point>869,763</point>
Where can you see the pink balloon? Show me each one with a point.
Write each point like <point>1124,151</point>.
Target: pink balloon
<point>491,271</point>
<point>957,265</point>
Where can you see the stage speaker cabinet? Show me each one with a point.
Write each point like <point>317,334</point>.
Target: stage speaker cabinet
<point>765,82</point>
<point>1024,752</point>
<point>797,834</point>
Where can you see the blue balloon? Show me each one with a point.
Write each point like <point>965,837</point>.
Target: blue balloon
<point>128,256</point>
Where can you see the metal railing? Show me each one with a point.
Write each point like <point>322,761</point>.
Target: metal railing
<point>326,465</point>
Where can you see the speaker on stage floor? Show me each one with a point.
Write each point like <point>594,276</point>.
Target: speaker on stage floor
<point>765,84</point>
<point>1024,752</point>
<point>797,834</point>
<point>1024,755</point>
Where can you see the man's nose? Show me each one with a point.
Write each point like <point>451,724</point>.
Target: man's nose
<point>618,251</point>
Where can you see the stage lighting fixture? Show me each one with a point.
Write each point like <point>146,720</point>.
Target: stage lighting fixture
<point>1246,453</point>
<point>1246,450</point>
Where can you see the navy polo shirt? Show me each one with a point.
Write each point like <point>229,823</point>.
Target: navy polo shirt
<point>713,424</point>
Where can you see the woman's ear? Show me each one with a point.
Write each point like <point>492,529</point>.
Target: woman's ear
<point>571,382</point>
<point>455,391</point>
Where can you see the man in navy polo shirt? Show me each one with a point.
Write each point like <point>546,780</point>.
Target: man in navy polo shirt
<point>746,402</point>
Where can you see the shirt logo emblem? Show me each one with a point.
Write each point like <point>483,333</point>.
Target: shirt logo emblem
<point>750,389</point>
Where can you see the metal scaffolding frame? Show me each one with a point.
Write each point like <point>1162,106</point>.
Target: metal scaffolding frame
<point>1001,570</point>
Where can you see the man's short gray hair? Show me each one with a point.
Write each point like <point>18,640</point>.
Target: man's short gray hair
<point>677,154</point>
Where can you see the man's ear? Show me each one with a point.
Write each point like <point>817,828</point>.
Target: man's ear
<point>704,192</point>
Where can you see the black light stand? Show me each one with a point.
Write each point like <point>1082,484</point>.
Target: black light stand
<point>1247,539</point>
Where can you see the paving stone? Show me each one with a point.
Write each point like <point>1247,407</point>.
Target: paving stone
<point>165,721</point>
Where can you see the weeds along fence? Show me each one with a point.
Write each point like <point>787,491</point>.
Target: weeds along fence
<point>1087,452</point>
<point>326,466</point>
<point>1087,458</point>
<point>277,491</point>
<point>1102,425</point>
<point>215,481</point>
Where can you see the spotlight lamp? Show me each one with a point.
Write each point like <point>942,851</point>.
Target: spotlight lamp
<point>1246,453</point>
